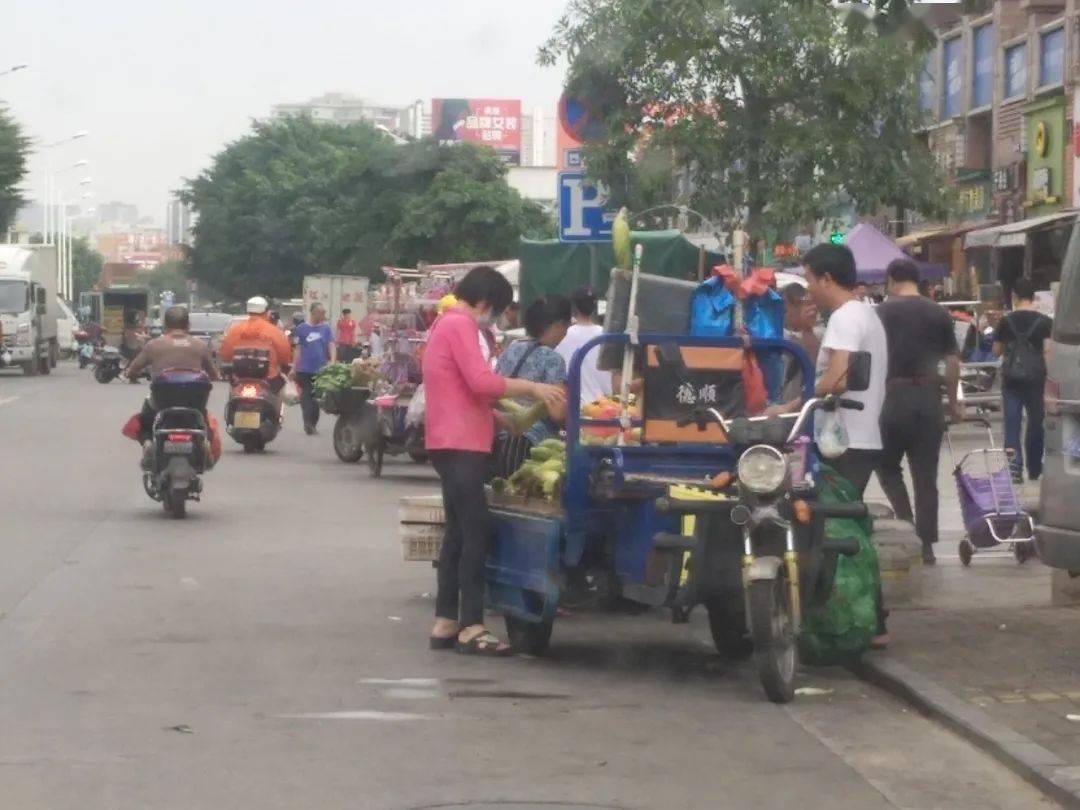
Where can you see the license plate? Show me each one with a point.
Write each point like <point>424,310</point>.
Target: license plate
<point>247,420</point>
<point>177,448</point>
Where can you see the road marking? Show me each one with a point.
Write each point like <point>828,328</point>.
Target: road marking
<point>399,681</point>
<point>7,400</point>
<point>389,717</point>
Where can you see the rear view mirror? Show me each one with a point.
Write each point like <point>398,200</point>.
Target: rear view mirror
<point>858,373</point>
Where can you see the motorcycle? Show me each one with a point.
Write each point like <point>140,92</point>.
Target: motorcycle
<point>787,561</point>
<point>253,414</point>
<point>180,450</point>
<point>108,365</point>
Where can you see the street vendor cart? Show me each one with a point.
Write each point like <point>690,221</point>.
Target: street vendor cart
<point>758,557</point>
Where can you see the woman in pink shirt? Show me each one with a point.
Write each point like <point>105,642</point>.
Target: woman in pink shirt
<point>460,388</point>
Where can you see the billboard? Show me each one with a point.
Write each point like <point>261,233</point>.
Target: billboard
<point>485,121</point>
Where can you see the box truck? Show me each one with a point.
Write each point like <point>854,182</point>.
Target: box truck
<point>337,293</point>
<point>28,308</point>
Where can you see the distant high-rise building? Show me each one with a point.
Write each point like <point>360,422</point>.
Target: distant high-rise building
<point>178,222</point>
<point>118,212</point>
<point>342,108</point>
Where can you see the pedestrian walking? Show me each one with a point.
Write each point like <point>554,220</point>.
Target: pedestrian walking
<point>315,348</point>
<point>920,336</point>
<point>853,327</point>
<point>345,335</point>
<point>461,389</point>
<point>1022,341</point>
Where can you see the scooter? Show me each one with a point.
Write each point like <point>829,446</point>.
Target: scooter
<point>180,451</point>
<point>109,365</point>
<point>253,414</point>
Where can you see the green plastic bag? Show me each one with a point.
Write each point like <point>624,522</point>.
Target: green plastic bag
<point>839,631</point>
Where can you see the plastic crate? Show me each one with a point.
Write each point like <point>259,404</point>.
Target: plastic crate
<point>421,509</point>
<point>420,542</point>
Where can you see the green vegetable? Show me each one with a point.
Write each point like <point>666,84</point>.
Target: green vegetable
<point>332,377</point>
<point>554,444</point>
<point>523,417</point>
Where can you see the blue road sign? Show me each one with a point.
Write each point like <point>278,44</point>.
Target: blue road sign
<point>583,214</point>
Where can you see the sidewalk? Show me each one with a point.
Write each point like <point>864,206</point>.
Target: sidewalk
<point>983,650</point>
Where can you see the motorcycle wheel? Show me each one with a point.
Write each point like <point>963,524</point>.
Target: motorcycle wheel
<point>253,444</point>
<point>727,624</point>
<point>102,375</point>
<point>530,638</point>
<point>175,503</point>
<point>772,631</point>
<point>375,458</point>
<point>348,438</point>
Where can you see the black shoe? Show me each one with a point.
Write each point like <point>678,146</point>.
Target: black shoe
<point>928,556</point>
<point>309,430</point>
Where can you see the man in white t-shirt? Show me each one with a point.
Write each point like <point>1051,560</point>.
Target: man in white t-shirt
<point>853,327</point>
<point>594,382</point>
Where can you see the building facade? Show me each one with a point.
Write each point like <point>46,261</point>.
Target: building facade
<point>178,223</point>
<point>997,93</point>
<point>342,108</point>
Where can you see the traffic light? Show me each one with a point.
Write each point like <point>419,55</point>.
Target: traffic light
<point>836,238</point>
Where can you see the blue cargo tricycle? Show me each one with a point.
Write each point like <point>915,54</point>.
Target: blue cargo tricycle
<point>758,551</point>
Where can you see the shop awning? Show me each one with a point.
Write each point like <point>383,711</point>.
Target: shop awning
<point>926,233</point>
<point>1013,234</point>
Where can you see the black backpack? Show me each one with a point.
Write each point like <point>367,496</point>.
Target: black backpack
<point>1024,364</point>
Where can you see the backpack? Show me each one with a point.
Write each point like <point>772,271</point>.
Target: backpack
<point>1024,364</point>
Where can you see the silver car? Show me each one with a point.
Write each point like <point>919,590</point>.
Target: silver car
<point>1058,534</point>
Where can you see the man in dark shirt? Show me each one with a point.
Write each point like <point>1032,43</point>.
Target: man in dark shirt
<point>920,335</point>
<point>1022,389</point>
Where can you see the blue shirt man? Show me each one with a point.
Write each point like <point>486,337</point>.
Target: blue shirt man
<point>314,349</point>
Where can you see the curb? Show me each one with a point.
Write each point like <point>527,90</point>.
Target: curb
<point>1037,765</point>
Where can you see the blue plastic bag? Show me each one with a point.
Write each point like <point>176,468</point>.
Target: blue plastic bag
<point>763,316</point>
<point>712,310</point>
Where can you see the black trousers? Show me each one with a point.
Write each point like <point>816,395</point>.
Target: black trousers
<point>857,466</point>
<point>460,595</point>
<point>309,406</point>
<point>912,425</point>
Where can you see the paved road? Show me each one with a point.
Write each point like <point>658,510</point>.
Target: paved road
<point>278,626</point>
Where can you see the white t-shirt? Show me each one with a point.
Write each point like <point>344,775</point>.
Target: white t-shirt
<point>855,327</point>
<point>594,382</point>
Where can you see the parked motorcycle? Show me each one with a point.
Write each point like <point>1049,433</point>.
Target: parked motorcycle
<point>787,561</point>
<point>253,414</point>
<point>180,451</point>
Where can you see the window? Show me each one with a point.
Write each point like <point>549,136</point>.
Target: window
<point>926,84</point>
<point>1052,57</point>
<point>952,89</point>
<point>1016,70</point>
<point>982,66</point>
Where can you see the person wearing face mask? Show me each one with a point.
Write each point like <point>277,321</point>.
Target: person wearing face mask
<point>460,389</point>
<point>535,358</point>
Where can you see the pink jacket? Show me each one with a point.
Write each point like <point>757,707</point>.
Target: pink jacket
<point>459,387</point>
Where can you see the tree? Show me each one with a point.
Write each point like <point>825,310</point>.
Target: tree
<point>14,151</point>
<point>296,197</point>
<point>770,109</point>
<point>86,264</point>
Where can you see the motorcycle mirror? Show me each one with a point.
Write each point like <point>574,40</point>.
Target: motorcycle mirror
<point>858,373</point>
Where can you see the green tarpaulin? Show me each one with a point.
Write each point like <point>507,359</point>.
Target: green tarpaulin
<point>556,267</point>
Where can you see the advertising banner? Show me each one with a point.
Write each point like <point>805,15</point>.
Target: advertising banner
<point>485,121</point>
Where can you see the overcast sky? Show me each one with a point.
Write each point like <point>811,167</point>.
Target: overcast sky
<point>161,85</point>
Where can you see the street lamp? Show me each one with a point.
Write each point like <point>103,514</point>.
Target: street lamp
<point>49,223</point>
<point>12,69</point>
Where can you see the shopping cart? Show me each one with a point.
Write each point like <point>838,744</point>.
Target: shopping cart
<point>993,514</point>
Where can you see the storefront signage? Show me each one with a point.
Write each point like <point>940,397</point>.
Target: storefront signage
<point>1040,183</point>
<point>485,121</point>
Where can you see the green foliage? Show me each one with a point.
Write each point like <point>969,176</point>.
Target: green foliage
<point>772,109</point>
<point>168,276</point>
<point>86,264</point>
<point>296,197</point>
<point>14,151</point>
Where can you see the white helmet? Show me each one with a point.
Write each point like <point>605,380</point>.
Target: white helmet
<point>257,305</point>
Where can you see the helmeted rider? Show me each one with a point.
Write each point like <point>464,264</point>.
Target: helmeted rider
<point>257,332</point>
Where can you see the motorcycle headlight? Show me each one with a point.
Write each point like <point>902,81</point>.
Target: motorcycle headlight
<point>762,469</point>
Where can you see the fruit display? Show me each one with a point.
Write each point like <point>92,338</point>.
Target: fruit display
<point>541,475</point>
<point>608,435</point>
